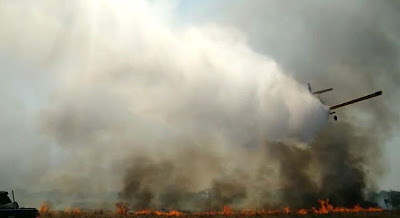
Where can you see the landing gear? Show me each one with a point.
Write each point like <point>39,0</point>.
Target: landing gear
<point>334,117</point>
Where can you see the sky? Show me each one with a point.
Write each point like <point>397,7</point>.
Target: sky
<point>88,87</point>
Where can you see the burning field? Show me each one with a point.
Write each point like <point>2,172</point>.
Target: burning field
<point>122,209</point>
<point>197,116</point>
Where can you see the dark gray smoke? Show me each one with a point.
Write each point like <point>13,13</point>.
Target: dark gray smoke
<point>345,160</point>
<point>337,165</point>
<point>170,181</point>
<point>352,47</point>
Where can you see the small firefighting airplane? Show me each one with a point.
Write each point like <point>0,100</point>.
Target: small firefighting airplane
<point>331,108</point>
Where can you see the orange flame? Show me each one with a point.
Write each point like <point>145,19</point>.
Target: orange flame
<point>143,212</point>
<point>122,208</point>
<point>227,210</point>
<point>67,210</point>
<point>287,210</point>
<point>45,207</point>
<point>159,213</point>
<point>325,208</point>
<point>170,213</point>
<point>302,212</point>
<point>76,210</point>
<point>328,208</point>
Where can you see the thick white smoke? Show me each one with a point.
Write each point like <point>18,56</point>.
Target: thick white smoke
<point>112,78</point>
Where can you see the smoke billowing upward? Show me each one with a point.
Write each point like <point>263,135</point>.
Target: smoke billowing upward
<point>353,48</point>
<point>127,98</point>
<point>350,46</point>
<point>335,166</point>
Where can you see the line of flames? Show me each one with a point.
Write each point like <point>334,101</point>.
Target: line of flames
<point>325,208</point>
<point>68,210</point>
<point>46,206</point>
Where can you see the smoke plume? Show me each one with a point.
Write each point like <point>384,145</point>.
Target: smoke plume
<point>352,47</point>
<point>124,96</point>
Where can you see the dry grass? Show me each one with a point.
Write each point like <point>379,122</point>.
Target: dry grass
<point>99,214</point>
<point>325,210</point>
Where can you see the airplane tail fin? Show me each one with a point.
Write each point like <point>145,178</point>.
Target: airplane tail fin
<point>318,92</point>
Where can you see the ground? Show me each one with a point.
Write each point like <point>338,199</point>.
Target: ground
<point>394,213</point>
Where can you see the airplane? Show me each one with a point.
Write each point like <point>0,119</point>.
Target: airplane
<point>334,107</point>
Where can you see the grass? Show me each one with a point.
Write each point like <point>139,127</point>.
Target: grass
<point>98,214</point>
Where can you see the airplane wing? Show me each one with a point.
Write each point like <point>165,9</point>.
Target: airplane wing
<point>355,100</point>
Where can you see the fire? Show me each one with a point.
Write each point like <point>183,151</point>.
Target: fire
<point>159,213</point>
<point>227,210</point>
<point>67,210</point>
<point>324,208</point>
<point>122,208</point>
<point>328,208</point>
<point>143,212</point>
<point>302,212</point>
<point>76,210</point>
<point>45,207</point>
<point>170,213</point>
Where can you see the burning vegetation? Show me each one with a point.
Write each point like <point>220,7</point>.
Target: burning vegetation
<point>324,208</point>
<point>337,165</point>
<point>122,209</point>
<point>45,207</point>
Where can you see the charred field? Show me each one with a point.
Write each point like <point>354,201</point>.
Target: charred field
<point>393,213</point>
<point>325,210</point>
